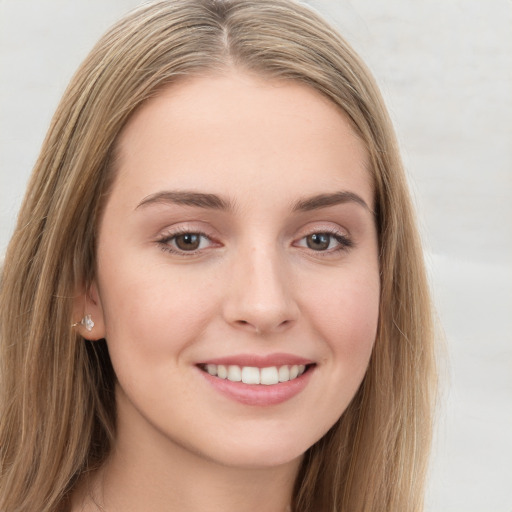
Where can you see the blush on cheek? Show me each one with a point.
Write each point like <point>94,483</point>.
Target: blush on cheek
<point>349,321</point>
<point>355,344</point>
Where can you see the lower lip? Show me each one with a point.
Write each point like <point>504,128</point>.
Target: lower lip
<point>259,394</point>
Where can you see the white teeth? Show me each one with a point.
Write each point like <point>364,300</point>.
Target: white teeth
<point>269,376</point>
<point>252,375</point>
<point>284,373</point>
<point>222,371</point>
<point>234,373</point>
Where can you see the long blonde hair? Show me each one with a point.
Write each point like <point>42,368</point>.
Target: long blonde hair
<point>57,407</point>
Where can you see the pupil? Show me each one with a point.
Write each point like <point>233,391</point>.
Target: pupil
<point>318,241</point>
<point>188,241</point>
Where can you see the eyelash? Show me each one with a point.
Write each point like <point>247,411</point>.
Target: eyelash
<point>344,242</point>
<point>165,241</point>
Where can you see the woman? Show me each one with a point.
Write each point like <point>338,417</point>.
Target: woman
<point>215,296</point>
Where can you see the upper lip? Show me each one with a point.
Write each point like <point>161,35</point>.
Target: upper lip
<point>258,361</point>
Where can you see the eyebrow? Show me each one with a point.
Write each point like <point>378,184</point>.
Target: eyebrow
<point>187,198</point>
<point>326,200</point>
<point>215,202</point>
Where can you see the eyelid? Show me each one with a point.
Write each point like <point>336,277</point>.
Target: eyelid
<point>342,236</point>
<point>170,233</point>
<point>323,227</point>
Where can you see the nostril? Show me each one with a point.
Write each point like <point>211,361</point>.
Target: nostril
<point>249,325</point>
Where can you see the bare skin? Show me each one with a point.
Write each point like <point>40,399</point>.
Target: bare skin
<point>239,232</point>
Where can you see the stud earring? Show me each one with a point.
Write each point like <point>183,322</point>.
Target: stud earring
<point>86,322</point>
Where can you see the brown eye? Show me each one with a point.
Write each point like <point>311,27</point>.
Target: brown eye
<point>187,241</point>
<point>319,241</point>
<point>326,242</point>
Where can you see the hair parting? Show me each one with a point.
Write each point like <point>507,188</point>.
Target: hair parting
<point>57,407</point>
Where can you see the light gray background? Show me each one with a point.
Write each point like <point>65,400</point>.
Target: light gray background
<point>445,68</point>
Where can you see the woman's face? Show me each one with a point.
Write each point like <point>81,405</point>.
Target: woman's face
<point>238,242</point>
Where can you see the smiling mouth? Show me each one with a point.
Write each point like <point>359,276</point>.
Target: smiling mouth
<point>252,375</point>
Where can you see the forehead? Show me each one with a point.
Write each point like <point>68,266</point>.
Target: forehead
<point>241,129</point>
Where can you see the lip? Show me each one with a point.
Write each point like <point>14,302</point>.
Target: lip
<point>278,359</point>
<point>259,394</point>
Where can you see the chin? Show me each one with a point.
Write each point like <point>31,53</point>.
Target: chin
<point>262,452</point>
<point>255,460</point>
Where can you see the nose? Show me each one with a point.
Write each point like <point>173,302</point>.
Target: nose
<point>260,295</point>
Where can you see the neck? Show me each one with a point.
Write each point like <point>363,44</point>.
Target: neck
<point>134,485</point>
<point>223,489</point>
<point>147,471</point>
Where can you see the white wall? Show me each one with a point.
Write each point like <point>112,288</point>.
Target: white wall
<point>445,67</point>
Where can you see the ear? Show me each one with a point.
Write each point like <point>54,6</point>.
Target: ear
<point>88,302</point>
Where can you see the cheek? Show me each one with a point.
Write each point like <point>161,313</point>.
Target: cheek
<point>347,316</point>
<point>153,311</point>
<point>344,315</point>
